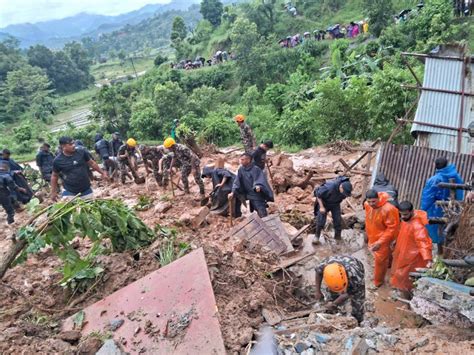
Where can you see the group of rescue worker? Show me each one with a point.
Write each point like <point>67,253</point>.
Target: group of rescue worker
<point>395,231</point>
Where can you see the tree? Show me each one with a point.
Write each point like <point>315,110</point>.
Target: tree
<point>212,10</point>
<point>160,59</point>
<point>40,56</point>
<point>178,30</point>
<point>144,121</point>
<point>10,57</point>
<point>169,101</point>
<point>25,89</point>
<point>113,108</point>
<point>379,13</point>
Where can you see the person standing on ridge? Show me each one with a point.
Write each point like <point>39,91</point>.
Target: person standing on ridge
<point>246,135</point>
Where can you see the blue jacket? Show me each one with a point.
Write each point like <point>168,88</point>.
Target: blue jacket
<point>432,193</point>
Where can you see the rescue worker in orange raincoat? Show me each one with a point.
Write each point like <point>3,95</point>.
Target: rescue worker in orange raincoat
<point>413,249</point>
<point>381,225</point>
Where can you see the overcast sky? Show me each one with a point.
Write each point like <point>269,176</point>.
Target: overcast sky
<point>20,11</point>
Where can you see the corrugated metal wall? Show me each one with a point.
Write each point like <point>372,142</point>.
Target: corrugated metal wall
<point>408,167</point>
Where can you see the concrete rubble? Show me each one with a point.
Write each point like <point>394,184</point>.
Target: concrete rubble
<point>444,302</point>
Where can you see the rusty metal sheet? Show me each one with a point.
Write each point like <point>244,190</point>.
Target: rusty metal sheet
<point>254,230</point>
<point>408,167</point>
<point>170,311</point>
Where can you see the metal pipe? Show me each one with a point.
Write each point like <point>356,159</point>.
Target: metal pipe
<point>461,113</point>
<point>432,125</point>
<point>456,263</point>
<point>449,185</point>
<point>419,55</point>
<point>411,71</point>
<point>444,91</point>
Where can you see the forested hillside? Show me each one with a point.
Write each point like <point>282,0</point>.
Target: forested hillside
<point>309,94</point>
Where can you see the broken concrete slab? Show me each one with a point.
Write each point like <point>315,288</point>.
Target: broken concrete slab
<point>255,231</point>
<point>443,302</point>
<point>171,310</point>
<point>271,317</point>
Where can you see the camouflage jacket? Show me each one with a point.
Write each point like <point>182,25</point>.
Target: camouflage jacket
<point>248,140</point>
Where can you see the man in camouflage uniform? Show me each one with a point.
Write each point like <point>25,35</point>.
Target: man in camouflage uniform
<point>189,161</point>
<point>126,158</point>
<point>353,288</point>
<point>159,160</point>
<point>246,135</point>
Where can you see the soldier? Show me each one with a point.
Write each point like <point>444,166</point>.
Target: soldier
<point>248,140</point>
<point>156,157</point>
<point>189,163</point>
<point>344,277</point>
<point>126,158</point>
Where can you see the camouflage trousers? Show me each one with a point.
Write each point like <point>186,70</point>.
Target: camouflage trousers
<point>193,166</point>
<point>124,166</point>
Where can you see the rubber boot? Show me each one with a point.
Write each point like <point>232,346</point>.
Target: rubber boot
<point>317,236</point>
<point>337,235</point>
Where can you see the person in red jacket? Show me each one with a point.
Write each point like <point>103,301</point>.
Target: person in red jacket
<point>381,225</point>
<point>413,249</point>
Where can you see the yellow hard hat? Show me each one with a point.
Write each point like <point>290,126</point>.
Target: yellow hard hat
<point>169,142</point>
<point>239,118</point>
<point>131,142</point>
<point>335,277</point>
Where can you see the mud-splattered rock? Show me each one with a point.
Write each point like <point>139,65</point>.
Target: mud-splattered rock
<point>71,336</point>
<point>115,324</point>
<point>163,207</point>
<point>89,345</point>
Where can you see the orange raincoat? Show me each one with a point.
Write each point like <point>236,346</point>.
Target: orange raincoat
<point>413,250</point>
<point>381,225</point>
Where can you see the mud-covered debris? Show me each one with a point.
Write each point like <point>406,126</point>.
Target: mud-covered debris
<point>89,345</point>
<point>177,324</point>
<point>70,336</point>
<point>162,207</point>
<point>321,338</point>
<point>419,344</point>
<point>115,324</point>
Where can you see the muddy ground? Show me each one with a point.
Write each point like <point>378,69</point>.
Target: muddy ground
<point>33,304</point>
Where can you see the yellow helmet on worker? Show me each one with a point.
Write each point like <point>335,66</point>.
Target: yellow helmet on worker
<point>335,277</point>
<point>169,142</point>
<point>239,118</point>
<point>131,142</point>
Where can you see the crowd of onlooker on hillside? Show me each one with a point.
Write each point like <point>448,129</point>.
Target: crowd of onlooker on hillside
<point>218,58</point>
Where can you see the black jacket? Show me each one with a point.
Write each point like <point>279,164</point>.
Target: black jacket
<point>44,161</point>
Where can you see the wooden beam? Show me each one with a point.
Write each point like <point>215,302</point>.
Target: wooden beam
<point>290,262</point>
<point>343,162</point>
<point>362,156</point>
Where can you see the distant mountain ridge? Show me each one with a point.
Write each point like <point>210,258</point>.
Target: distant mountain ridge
<point>55,33</point>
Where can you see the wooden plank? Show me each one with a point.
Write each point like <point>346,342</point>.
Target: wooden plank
<point>343,162</point>
<point>291,261</point>
<point>363,149</point>
<point>301,231</point>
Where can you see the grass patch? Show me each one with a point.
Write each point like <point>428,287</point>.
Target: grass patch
<point>113,69</point>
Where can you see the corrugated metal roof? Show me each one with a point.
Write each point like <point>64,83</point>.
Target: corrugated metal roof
<point>444,108</point>
<point>408,167</point>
